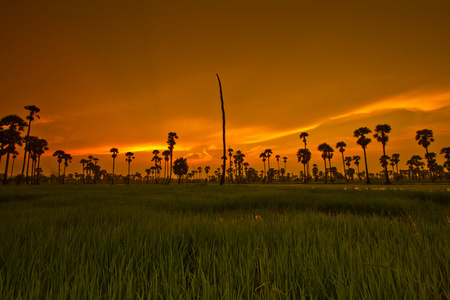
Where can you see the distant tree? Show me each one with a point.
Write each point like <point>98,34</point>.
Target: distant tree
<point>263,157</point>
<point>356,159</point>
<point>395,159</point>
<point>425,137</point>
<point>230,173</point>
<point>14,126</point>
<point>278,163</point>
<point>415,163</point>
<point>363,141</point>
<point>341,146</point>
<point>285,161</point>
<point>325,148</point>
<point>315,171</point>
<point>166,155</point>
<point>157,160</point>
<point>129,158</point>
<point>446,152</point>
<point>67,159</point>
<point>304,155</point>
<point>33,113</point>
<point>14,156</point>
<point>83,162</point>
<point>384,161</point>
<point>114,152</point>
<point>171,141</point>
<point>207,169</point>
<point>41,147</point>
<point>303,136</point>
<point>381,131</point>
<point>180,168</point>
<point>431,163</point>
<point>59,154</point>
<point>268,155</point>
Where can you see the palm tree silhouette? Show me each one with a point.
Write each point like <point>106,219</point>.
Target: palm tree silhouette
<point>230,154</point>
<point>384,161</point>
<point>33,113</point>
<point>278,163</point>
<point>171,141</point>
<point>14,156</point>
<point>166,155</point>
<point>395,159</point>
<point>356,159</point>
<point>41,147</point>
<point>59,154</point>
<point>303,136</point>
<point>304,155</point>
<point>285,161</point>
<point>263,156</point>
<point>67,158</point>
<point>114,152</point>
<point>15,125</point>
<point>268,155</point>
<point>381,131</point>
<point>207,169</point>
<point>156,159</point>
<point>324,147</point>
<point>129,158</point>
<point>446,152</point>
<point>83,162</point>
<point>363,141</point>
<point>341,146</point>
<point>180,168</point>
<point>424,137</point>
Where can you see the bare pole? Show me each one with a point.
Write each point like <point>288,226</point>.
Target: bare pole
<point>222,180</point>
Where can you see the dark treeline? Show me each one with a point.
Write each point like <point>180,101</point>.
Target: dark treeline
<point>15,135</point>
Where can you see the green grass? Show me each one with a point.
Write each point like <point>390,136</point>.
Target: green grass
<point>230,242</point>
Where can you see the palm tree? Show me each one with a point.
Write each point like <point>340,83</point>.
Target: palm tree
<point>304,155</point>
<point>341,146</point>
<point>14,156</point>
<point>363,141</point>
<point>59,154</point>
<point>263,156</point>
<point>171,141</point>
<point>166,155</point>
<point>381,131</point>
<point>324,147</point>
<point>285,161</point>
<point>278,163</point>
<point>83,162</point>
<point>268,155</point>
<point>230,154</point>
<point>315,171</point>
<point>33,113</point>
<point>356,159</point>
<point>129,159</point>
<point>424,138</point>
<point>207,169</point>
<point>329,152</point>
<point>15,125</point>
<point>395,159</point>
<point>180,168</point>
<point>156,159</point>
<point>384,161</point>
<point>114,152</point>
<point>67,159</point>
<point>446,152</point>
<point>303,136</point>
<point>415,163</point>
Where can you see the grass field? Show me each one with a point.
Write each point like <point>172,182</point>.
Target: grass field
<point>229,242</point>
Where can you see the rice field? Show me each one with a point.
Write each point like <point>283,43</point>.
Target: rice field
<point>229,242</point>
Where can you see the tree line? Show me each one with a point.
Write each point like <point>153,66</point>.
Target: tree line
<point>12,127</point>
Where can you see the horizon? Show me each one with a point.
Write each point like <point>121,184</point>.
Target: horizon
<point>108,75</point>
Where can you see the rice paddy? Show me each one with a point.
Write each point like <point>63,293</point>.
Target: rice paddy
<point>229,242</point>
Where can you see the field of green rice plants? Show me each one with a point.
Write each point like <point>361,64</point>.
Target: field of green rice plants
<point>228,242</point>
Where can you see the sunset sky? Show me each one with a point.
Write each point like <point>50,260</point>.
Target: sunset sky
<point>125,73</point>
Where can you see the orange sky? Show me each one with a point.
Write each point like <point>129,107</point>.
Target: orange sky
<point>119,74</point>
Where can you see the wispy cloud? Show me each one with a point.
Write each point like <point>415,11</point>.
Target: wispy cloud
<point>415,100</point>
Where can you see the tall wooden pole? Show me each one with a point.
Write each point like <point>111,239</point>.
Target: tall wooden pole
<point>222,180</point>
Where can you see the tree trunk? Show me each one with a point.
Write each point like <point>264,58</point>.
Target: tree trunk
<point>385,167</point>
<point>222,180</point>
<point>367,171</point>
<point>326,176</point>
<point>5,177</point>
<point>343,164</point>
<point>25,153</point>
<point>112,179</point>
